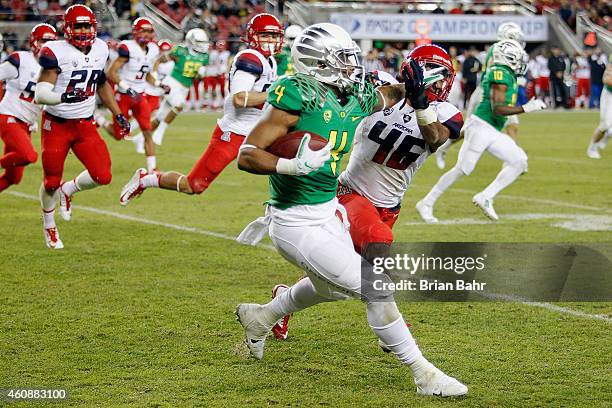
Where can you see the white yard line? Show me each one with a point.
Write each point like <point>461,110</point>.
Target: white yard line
<point>547,306</point>
<point>143,220</point>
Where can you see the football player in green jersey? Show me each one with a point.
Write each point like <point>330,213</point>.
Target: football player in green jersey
<point>284,66</point>
<point>506,31</point>
<point>482,131</point>
<point>327,97</point>
<point>190,61</point>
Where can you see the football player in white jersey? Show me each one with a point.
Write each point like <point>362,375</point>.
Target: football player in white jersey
<point>390,147</point>
<point>72,73</point>
<point>222,67</point>
<point>131,71</point>
<point>209,81</point>
<point>18,112</point>
<point>252,72</point>
<point>604,130</point>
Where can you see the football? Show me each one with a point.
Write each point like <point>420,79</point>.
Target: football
<point>287,146</point>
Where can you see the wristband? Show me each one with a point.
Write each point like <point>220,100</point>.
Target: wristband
<point>286,166</point>
<point>123,85</point>
<point>426,116</point>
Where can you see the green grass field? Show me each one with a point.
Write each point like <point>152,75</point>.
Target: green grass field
<point>138,308</point>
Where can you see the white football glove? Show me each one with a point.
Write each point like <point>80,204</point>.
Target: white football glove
<point>521,81</point>
<point>306,160</point>
<point>533,105</point>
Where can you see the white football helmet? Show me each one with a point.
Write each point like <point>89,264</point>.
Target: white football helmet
<point>197,41</point>
<point>510,31</point>
<point>328,53</point>
<point>511,54</point>
<point>291,34</point>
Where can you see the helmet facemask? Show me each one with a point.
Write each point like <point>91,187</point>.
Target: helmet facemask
<point>511,54</point>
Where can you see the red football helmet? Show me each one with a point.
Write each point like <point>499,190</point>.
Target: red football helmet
<point>431,56</point>
<point>75,18</point>
<point>164,45</point>
<point>143,30</point>
<point>264,24</point>
<point>40,34</point>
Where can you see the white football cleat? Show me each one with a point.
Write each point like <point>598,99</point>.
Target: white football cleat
<point>486,205</point>
<point>133,188</point>
<point>52,238</point>
<point>65,208</point>
<point>158,137</point>
<point>593,151</point>
<point>426,212</point>
<point>437,384</point>
<point>280,330</point>
<point>440,158</point>
<point>255,332</point>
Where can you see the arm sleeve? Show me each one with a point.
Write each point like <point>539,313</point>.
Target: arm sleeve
<point>242,82</point>
<point>44,94</point>
<point>8,71</point>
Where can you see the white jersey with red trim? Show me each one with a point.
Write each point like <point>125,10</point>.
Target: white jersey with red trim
<point>242,120</point>
<point>583,68</point>
<point>389,149</point>
<point>222,62</point>
<point>542,62</point>
<point>139,63</point>
<point>18,99</point>
<point>213,64</point>
<point>75,70</point>
<point>163,70</point>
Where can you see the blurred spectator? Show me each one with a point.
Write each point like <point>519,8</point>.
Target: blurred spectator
<point>192,20</point>
<point>598,66</point>
<point>566,12</point>
<point>582,73</point>
<point>438,10</point>
<point>470,72</point>
<point>372,61</point>
<point>458,9</point>
<point>557,66</point>
<point>6,11</point>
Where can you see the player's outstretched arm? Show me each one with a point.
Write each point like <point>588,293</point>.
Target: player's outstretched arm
<point>8,70</point>
<point>498,101</point>
<point>253,156</point>
<point>435,134</point>
<point>389,95</point>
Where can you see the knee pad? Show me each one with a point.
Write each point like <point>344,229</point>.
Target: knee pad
<point>31,156</point>
<point>52,183</point>
<point>102,178</point>
<point>198,185</point>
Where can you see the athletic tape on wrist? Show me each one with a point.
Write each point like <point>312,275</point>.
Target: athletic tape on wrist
<point>286,166</point>
<point>426,116</point>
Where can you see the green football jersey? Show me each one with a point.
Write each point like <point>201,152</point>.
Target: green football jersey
<point>497,74</point>
<point>186,65</point>
<point>320,113</point>
<point>284,65</point>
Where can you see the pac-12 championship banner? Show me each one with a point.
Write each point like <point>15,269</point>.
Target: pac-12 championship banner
<point>438,27</point>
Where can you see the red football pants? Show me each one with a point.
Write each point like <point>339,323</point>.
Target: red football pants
<point>18,150</point>
<point>221,151</point>
<point>153,101</point>
<point>140,108</point>
<point>80,135</point>
<point>583,87</point>
<point>220,80</point>
<point>369,224</point>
